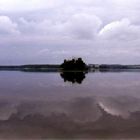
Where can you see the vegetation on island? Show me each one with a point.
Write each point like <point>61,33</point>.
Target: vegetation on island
<point>71,65</point>
<point>74,65</point>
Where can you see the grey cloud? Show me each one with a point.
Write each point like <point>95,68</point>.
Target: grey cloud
<point>79,26</point>
<point>44,27</point>
<point>83,26</point>
<point>100,30</point>
<point>8,27</point>
<point>16,5</point>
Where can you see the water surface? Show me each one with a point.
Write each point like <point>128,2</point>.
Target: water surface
<point>42,105</point>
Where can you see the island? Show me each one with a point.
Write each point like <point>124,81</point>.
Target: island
<point>75,64</point>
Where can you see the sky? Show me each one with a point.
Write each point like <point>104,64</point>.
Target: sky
<point>48,31</point>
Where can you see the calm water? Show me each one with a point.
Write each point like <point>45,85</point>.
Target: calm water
<point>42,105</point>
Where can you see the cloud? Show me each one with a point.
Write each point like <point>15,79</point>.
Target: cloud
<point>78,26</point>
<point>120,30</point>
<point>100,30</point>
<point>83,26</point>
<point>7,27</point>
<point>126,3</point>
<point>30,5</point>
<point>33,27</point>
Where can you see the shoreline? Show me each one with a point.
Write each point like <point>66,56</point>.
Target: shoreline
<point>57,68</point>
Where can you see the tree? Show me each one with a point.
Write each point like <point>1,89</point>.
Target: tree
<point>74,64</point>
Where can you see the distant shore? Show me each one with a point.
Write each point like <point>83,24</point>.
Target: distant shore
<point>48,67</point>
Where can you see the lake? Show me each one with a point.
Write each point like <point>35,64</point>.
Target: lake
<point>102,105</point>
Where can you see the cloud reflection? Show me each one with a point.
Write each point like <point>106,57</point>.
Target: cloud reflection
<point>81,117</point>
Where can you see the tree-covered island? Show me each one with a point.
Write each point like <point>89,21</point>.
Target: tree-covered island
<point>75,64</point>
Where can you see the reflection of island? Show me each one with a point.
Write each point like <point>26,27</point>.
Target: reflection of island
<point>74,77</point>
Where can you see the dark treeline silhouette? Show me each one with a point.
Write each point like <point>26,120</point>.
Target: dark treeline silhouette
<point>74,64</point>
<point>73,77</point>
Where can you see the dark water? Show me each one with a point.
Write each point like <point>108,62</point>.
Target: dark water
<point>42,105</point>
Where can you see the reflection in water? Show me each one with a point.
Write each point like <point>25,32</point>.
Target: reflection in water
<point>41,106</point>
<point>76,118</point>
<point>74,77</point>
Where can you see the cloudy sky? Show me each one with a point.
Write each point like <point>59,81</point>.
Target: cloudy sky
<point>47,31</point>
